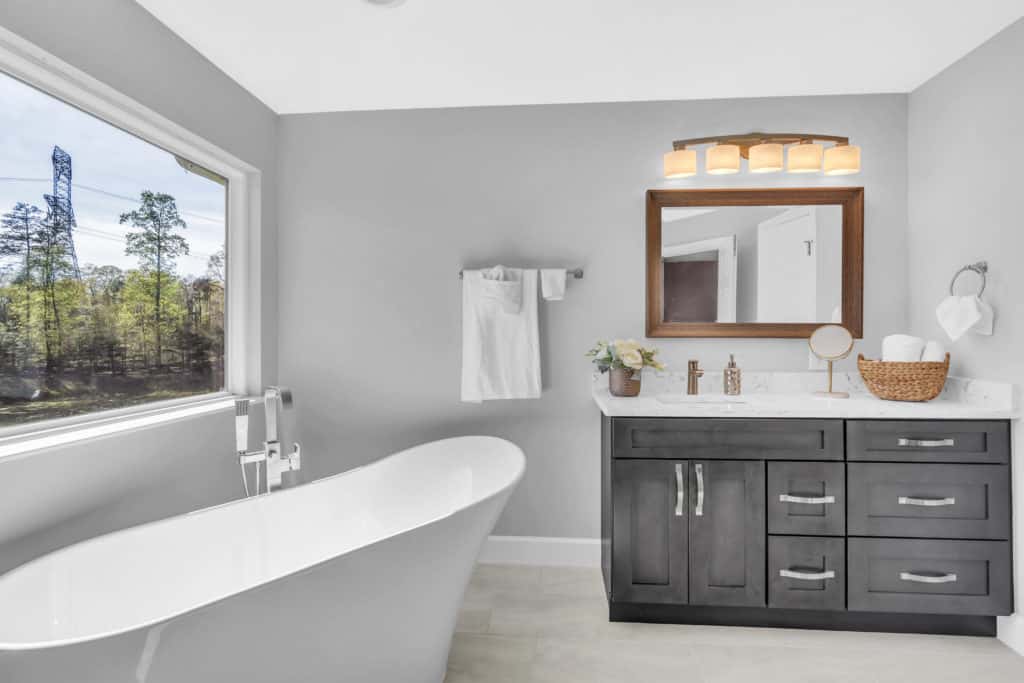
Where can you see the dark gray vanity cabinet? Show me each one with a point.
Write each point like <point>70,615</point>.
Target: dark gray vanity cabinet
<point>689,532</point>
<point>650,528</point>
<point>727,533</point>
<point>856,524</point>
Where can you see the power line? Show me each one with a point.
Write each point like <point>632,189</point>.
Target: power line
<point>89,188</point>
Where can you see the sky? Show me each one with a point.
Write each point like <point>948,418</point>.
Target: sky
<point>110,169</point>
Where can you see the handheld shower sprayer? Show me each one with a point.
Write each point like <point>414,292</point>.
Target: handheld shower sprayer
<point>241,425</point>
<point>242,439</point>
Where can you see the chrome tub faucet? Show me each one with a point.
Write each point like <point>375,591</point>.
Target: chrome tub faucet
<point>273,456</point>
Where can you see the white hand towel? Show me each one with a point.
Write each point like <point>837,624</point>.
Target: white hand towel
<point>552,283</point>
<point>957,314</point>
<point>985,324</point>
<point>933,352</point>
<point>902,348</point>
<point>500,349</point>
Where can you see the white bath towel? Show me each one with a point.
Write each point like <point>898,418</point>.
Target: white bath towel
<point>957,314</point>
<point>500,347</point>
<point>552,283</point>
<point>902,348</point>
<point>503,286</point>
<point>933,352</point>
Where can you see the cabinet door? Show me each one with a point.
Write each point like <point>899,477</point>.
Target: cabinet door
<point>649,531</point>
<point>727,533</point>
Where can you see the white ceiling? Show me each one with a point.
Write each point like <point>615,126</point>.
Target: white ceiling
<point>333,55</point>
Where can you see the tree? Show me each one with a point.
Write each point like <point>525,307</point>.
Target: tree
<point>215,266</point>
<point>19,232</point>
<point>56,271</point>
<point>156,246</point>
<point>104,285</point>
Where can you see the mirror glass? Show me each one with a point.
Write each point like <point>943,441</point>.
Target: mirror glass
<point>752,264</point>
<point>831,342</point>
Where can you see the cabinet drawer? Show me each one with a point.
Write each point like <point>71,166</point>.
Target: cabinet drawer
<point>807,573</point>
<point>721,438</point>
<point>928,441</point>
<point>807,498</point>
<point>929,576</point>
<point>927,500</point>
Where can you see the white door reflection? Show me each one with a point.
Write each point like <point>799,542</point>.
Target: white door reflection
<point>765,264</point>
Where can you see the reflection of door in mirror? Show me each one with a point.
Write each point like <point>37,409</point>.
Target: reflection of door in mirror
<point>700,280</point>
<point>799,256</point>
<point>787,270</point>
<point>766,264</point>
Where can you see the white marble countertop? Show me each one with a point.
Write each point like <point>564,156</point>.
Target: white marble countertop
<point>961,400</point>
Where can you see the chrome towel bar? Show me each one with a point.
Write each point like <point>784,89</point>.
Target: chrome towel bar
<point>575,272</point>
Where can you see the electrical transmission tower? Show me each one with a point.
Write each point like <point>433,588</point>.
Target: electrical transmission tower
<point>61,215</point>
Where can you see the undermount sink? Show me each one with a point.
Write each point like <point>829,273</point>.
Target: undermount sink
<point>700,399</point>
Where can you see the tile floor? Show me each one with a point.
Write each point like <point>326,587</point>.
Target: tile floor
<point>547,624</point>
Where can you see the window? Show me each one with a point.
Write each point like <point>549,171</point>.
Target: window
<point>112,265</point>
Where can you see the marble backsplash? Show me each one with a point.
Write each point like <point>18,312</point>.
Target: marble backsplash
<point>982,393</point>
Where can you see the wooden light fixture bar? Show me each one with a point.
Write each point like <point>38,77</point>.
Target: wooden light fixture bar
<point>748,140</point>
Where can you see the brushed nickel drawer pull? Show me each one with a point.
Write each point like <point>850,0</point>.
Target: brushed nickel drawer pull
<point>699,511</point>
<point>807,576</point>
<point>918,578</point>
<point>926,502</point>
<point>926,443</point>
<point>679,489</point>
<point>819,500</point>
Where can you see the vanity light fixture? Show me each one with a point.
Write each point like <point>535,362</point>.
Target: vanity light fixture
<point>842,160</point>
<point>766,153</point>
<point>765,158</point>
<point>681,163</point>
<point>804,157</point>
<point>723,159</point>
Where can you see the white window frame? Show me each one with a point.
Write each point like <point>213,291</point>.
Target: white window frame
<point>242,341</point>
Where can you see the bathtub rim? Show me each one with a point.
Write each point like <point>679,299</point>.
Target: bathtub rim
<point>520,470</point>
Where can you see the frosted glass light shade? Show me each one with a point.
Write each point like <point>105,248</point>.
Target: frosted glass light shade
<point>765,158</point>
<point>842,160</point>
<point>681,163</point>
<point>722,159</point>
<point>805,158</point>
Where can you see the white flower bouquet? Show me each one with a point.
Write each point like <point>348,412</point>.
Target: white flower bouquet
<point>624,359</point>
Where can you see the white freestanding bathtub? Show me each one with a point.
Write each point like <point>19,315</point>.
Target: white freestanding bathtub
<point>355,578</point>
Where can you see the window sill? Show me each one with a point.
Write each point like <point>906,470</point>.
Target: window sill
<point>27,440</point>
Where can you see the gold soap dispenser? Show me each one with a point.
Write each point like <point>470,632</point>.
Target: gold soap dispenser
<point>732,379</point>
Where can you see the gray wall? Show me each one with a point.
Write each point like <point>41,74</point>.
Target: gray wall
<point>966,150</point>
<point>382,209</point>
<point>52,498</point>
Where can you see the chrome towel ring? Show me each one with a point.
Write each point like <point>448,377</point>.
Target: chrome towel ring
<point>981,267</point>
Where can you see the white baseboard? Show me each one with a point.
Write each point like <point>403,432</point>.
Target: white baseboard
<point>1011,631</point>
<point>542,551</point>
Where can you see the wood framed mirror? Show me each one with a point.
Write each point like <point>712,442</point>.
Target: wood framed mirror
<point>754,262</point>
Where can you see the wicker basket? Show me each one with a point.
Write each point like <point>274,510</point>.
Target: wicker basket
<point>894,381</point>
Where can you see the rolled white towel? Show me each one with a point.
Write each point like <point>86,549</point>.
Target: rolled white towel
<point>902,348</point>
<point>934,352</point>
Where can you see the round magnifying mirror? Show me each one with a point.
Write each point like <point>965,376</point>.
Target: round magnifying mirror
<point>831,343</point>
